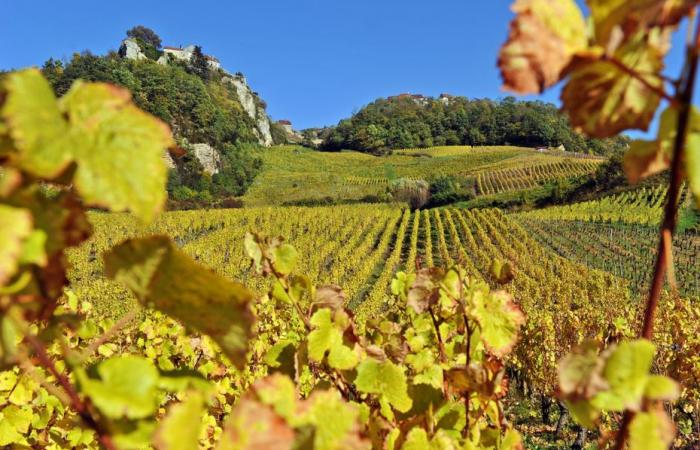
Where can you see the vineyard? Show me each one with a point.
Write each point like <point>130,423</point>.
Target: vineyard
<point>360,248</point>
<point>529,177</point>
<point>306,176</point>
<point>640,206</point>
<point>624,250</point>
<point>389,239</point>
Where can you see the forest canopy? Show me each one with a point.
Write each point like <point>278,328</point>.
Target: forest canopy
<point>414,121</point>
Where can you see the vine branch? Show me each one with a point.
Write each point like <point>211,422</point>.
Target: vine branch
<point>75,401</point>
<point>683,99</point>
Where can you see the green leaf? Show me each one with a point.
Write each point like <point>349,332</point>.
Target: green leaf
<point>659,387</point>
<point>499,319</point>
<point>19,417</point>
<point>692,164</point>
<point>181,427</point>
<point>651,431</point>
<point>626,371</point>
<point>112,142</point>
<point>417,439</point>
<point>581,372</point>
<point>284,258</point>
<point>327,336</point>
<point>385,379</point>
<point>15,227</point>
<point>33,250</point>
<point>335,421</point>
<point>126,387</point>
<point>165,278</point>
<point>543,38</point>
<point>36,124</point>
<point>603,99</point>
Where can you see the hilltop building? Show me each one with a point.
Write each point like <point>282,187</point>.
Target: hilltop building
<point>185,54</point>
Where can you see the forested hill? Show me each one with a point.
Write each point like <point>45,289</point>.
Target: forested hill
<point>410,121</point>
<point>215,116</point>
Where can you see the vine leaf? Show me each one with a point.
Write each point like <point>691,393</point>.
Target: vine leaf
<point>96,126</point>
<point>163,277</point>
<point>646,158</point>
<point>386,380</point>
<point>651,431</point>
<point>15,227</point>
<point>543,38</point>
<point>328,337</point>
<point>126,387</point>
<point>581,372</point>
<point>335,421</point>
<point>35,124</point>
<point>417,439</point>
<point>499,319</point>
<point>617,16</point>
<point>180,429</point>
<point>604,99</point>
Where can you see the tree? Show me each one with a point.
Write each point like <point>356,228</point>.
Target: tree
<point>145,34</point>
<point>199,64</point>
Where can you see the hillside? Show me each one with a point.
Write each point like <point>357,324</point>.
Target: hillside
<point>214,114</point>
<point>301,176</point>
<point>406,121</point>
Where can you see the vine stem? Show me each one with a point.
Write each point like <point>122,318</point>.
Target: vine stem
<point>75,401</point>
<point>684,96</point>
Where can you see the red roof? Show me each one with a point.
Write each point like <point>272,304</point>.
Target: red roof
<point>284,122</point>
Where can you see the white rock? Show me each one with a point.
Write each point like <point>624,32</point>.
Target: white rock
<point>131,49</point>
<point>247,99</point>
<point>208,156</point>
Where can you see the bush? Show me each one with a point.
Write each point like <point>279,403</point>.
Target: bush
<point>414,192</point>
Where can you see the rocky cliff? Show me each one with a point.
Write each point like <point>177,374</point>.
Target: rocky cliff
<point>252,106</point>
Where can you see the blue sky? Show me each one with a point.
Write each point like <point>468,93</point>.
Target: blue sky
<point>312,61</point>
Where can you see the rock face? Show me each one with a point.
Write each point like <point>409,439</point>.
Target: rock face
<point>130,49</point>
<point>208,156</point>
<point>250,106</point>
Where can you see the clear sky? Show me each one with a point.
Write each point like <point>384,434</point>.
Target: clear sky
<point>312,61</point>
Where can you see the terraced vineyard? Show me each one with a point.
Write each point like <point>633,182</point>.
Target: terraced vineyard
<point>308,176</point>
<point>529,177</point>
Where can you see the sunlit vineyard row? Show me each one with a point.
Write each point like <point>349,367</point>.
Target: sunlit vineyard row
<point>642,206</point>
<point>528,177</point>
<point>624,250</point>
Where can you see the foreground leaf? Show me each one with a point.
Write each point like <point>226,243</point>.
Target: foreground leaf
<point>543,38</point>
<point>126,387</point>
<point>163,277</point>
<point>15,226</point>
<point>651,431</point>
<point>602,99</point>
<point>499,319</point>
<point>96,126</point>
<point>180,428</point>
<point>385,379</point>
